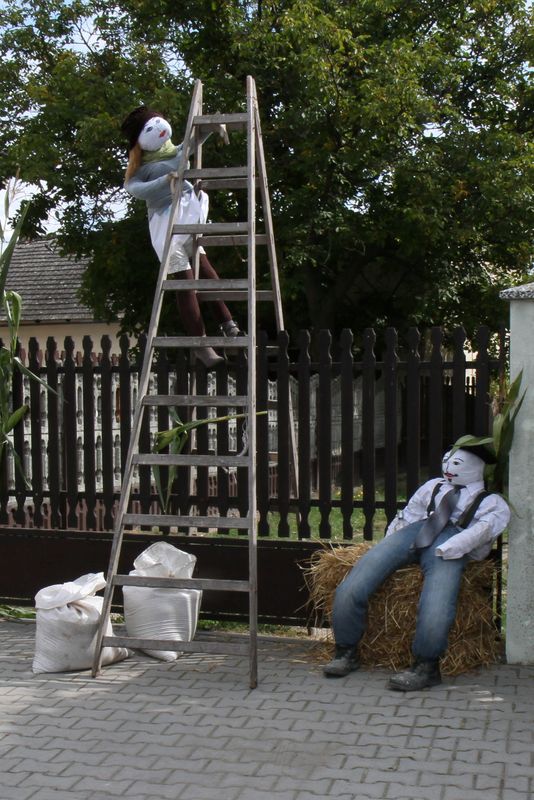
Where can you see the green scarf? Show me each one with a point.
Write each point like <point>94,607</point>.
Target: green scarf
<point>167,150</point>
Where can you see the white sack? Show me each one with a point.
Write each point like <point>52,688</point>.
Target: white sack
<point>68,616</point>
<point>154,613</point>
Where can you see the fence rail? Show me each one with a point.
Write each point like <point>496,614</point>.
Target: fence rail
<point>371,424</point>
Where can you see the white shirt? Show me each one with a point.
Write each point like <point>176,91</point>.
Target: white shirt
<point>489,521</point>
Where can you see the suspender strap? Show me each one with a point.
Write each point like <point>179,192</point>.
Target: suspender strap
<point>432,504</point>
<point>469,512</point>
<point>467,516</point>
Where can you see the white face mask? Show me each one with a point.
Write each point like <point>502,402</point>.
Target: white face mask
<point>462,468</point>
<point>156,132</point>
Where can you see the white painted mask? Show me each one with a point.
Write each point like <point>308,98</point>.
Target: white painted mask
<point>156,132</point>
<point>462,468</point>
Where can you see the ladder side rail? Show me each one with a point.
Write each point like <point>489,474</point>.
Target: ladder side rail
<point>271,249</point>
<point>143,384</point>
<point>197,152</point>
<point>275,281</point>
<point>198,140</point>
<point>178,188</point>
<point>252,499</point>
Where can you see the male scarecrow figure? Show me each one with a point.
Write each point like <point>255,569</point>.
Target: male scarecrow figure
<point>447,522</point>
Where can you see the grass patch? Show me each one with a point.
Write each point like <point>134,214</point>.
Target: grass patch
<point>336,524</point>
<point>242,627</point>
<point>16,612</point>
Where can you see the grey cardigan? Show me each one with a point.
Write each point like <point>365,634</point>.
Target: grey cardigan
<point>151,182</point>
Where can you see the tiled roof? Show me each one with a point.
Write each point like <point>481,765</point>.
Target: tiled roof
<point>47,282</point>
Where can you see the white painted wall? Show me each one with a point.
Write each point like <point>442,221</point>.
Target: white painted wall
<point>59,331</point>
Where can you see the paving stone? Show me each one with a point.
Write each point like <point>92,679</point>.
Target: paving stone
<point>372,791</point>
<point>42,780</point>
<point>201,793</point>
<point>113,788</point>
<point>464,781</point>
<point>18,793</point>
<point>313,796</point>
<point>454,793</point>
<point>12,774</point>
<point>255,794</point>
<point>415,792</point>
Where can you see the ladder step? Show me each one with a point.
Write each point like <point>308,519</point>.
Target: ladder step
<point>206,283</point>
<point>171,460</point>
<point>230,184</point>
<point>212,227</point>
<point>203,173</point>
<point>218,289</point>
<point>210,122</point>
<point>208,584</point>
<point>166,520</point>
<point>261,296</point>
<point>201,341</point>
<point>224,648</point>
<point>231,241</point>
<point>195,400</point>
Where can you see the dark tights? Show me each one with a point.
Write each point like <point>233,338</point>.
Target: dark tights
<point>188,306</point>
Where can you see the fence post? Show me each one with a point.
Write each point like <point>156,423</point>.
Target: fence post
<point>520,589</point>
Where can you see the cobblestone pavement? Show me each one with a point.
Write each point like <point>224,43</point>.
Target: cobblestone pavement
<point>146,730</point>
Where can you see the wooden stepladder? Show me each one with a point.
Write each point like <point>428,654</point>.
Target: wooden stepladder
<point>249,177</point>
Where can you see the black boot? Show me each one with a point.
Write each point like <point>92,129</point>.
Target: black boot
<point>345,660</point>
<point>420,676</point>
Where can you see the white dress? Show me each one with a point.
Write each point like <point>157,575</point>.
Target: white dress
<point>191,210</point>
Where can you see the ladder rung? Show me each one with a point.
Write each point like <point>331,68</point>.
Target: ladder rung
<point>224,648</point>
<point>231,241</point>
<point>212,289</point>
<point>167,520</point>
<point>172,460</point>
<point>215,172</point>
<point>205,283</point>
<point>201,341</point>
<point>199,400</point>
<point>261,296</point>
<point>210,122</point>
<point>227,183</point>
<point>208,584</point>
<point>212,227</point>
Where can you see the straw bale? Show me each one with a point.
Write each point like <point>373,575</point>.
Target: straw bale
<point>474,640</point>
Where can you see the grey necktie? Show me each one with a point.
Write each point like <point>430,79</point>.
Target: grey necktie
<point>437,521</point>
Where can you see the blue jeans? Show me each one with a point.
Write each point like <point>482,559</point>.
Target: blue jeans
<point>437,603</point>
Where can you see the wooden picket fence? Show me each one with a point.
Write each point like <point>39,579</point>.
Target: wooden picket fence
<point>373,416</point>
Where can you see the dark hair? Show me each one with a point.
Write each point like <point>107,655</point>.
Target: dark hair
<point>135,122</point>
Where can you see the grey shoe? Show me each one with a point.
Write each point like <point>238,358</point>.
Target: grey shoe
<point>230,328</point>
<point>208,356</point>
<point>422,675</point>
<point>345,661</point>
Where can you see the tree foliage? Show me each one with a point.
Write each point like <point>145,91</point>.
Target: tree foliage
<point>398,135</point>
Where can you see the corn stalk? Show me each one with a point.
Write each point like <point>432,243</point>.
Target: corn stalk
<point>175,439</point>
<point>9,359</point>
<point>506,407</point>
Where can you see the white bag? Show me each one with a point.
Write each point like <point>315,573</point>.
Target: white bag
<point>154,613</point>
<point>68,616</point>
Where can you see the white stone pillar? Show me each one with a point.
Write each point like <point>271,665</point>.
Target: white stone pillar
<point>520,589</point>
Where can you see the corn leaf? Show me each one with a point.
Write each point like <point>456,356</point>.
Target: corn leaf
<point>16,417</point>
